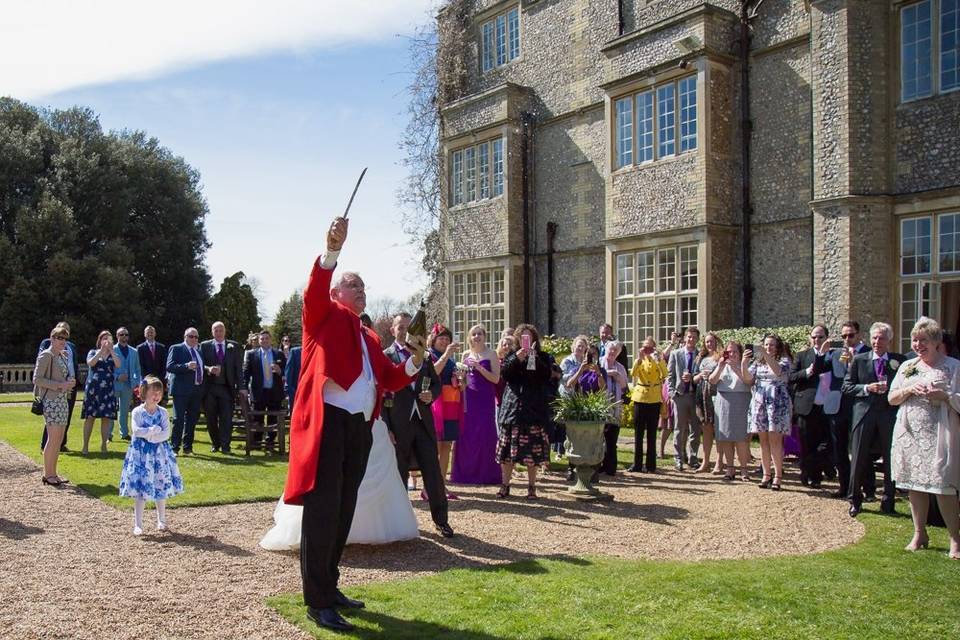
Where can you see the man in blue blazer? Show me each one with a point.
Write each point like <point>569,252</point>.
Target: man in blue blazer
<point>291,375</point>
<point>126,378</point>
<point>153,358</point>
<point>185,366</point>
<point>73,366</point>
<point>263,374</point>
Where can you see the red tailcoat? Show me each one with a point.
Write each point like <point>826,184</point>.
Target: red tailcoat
<point>331,351</point>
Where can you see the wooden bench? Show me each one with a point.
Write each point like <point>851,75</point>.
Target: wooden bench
<point>254,422</point>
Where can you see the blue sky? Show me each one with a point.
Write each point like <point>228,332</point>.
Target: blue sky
<point>279,134</point>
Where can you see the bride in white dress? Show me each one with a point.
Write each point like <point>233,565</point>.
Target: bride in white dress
<point>383,511</point>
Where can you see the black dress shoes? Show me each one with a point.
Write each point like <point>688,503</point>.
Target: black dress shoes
<point>329,618</point>
<point>444,529</point>
<point>344,602</point>
<point>886,506</point>
<point>838,494</point>
<point>633,469</point>
<point>854,510</point>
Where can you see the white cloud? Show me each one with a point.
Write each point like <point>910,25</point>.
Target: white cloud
<point>49,46</point>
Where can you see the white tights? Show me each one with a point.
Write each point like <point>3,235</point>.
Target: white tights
<point>138,512</point>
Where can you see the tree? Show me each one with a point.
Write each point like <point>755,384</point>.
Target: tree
<point>288,320</point>
<point>98,229</point>
<point>235,306</point>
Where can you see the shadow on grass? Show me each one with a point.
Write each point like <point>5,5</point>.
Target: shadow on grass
<point>200,543</point>
<point>385,626</point>
<point>17,530</point>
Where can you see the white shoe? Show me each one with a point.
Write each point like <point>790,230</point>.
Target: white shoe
<point>161,526</point>
<point>137,531</point>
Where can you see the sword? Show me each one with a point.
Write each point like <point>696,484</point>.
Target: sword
<point>359,180</point>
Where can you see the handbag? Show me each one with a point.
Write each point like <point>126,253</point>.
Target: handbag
<point>36,407</point>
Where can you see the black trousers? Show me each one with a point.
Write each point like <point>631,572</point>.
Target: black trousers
<point>874,431</point>
<point>420,442</point>
<point>611,432</point>
<point>328,509</point>
<point>840,451</point>
<point>814,434</point>
<point>71,401</point>
<point>218,408</point>
<point>646,416</point>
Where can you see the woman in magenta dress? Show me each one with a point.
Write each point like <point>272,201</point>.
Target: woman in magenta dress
<point>447,410</point>
<point>474,460</point>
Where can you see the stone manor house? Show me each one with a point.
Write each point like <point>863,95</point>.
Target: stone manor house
<point>663,163</point>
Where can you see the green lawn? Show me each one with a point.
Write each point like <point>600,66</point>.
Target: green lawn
<point>25,396</point>
<point>872,589</point>
<point>208,478</point>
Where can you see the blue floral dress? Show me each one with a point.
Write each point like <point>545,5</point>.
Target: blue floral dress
<point>150,468</point>
<point>99,398</point>
<point>770,407</point>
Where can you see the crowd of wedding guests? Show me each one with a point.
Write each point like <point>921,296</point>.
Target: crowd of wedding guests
<point>209,376</point>
<point>478,409</point>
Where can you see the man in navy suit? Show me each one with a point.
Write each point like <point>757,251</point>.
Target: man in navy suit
<point>185,366</point>
<point>153,358</point>
<point>263,375</point>
<point>839,409</point>
<point>73,365</point>
<point>291,375</point>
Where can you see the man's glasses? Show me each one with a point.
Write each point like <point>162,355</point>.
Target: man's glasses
<point>193,335</point>
<point>848,335</point>
<point>122,335</point>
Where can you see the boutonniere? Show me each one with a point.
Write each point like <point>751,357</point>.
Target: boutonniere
<point>894,365</point>
<point>910,371</point>
<point>229,346</point>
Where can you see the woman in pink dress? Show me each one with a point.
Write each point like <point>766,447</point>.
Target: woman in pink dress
<point>474,461</point>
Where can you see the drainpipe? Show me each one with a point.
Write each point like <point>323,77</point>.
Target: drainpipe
<point>746,129</point>
<point>526,126</point>
<point>551,308</point>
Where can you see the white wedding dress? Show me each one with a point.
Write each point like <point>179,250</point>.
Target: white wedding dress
<point>383,511</point>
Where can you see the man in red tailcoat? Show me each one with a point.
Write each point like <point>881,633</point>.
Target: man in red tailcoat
<point>343,377</point>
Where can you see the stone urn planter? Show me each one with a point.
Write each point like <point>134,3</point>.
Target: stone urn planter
<point>585,448</point>
<point>584,414</point>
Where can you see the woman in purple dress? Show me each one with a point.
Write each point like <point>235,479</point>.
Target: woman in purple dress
<point>474,460</point>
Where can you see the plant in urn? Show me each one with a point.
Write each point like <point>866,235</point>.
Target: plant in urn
<point>584,414</point>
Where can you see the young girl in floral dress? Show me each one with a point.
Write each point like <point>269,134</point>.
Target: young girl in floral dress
<point>150,469</point>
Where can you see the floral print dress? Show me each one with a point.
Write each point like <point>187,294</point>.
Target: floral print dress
<point>770,407</point>
<point>99,398</point>
<point>150,468</point>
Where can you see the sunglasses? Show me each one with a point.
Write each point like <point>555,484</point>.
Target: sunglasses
<point>193,336</point>
<point>848,335</point>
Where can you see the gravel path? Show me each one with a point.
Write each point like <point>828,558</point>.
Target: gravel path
<point>72,569</point>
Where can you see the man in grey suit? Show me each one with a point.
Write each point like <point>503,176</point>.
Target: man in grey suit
<point>408,417</point>
<point>223,369</point>
<point>867,383</point>
<point>681,368</point>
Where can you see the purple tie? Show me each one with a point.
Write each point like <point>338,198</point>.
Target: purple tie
<point>219,353</point>
<point>686,385</point>
<point>878,367</point>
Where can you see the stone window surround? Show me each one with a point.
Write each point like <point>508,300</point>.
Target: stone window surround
<point>487,134</point>
<point>897,59</point>
<point>508,265</point>
<point>662,240</point>
<point>490,14</point>
<point>912,208</point>
<point>634,85</point>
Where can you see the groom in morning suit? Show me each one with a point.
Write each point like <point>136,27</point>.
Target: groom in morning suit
<point>868,383</point>
<point>343,377</point>
<point>410,422</point>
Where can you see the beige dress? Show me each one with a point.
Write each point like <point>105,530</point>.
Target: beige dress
<point>926,437</point>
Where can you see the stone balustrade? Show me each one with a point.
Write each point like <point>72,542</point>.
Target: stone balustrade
<point>19,377</point>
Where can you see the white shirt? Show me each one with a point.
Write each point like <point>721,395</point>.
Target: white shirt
<point>361,397</point>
